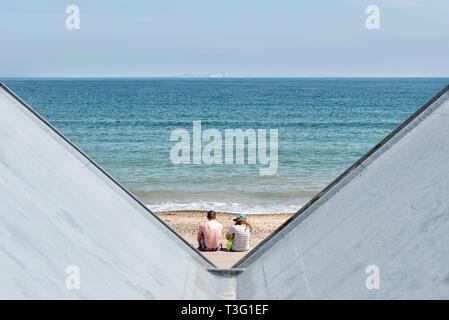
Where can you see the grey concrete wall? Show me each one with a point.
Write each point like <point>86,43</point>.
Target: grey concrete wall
<point>392,211</point>
<point>58,209</point>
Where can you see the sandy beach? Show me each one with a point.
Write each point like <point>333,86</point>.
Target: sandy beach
<point>186,223</point>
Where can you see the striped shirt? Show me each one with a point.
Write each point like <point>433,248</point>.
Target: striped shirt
<point>241,237</point>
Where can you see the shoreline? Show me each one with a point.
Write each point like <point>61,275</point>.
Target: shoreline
<point>187,222</point>
<point>237,206</point>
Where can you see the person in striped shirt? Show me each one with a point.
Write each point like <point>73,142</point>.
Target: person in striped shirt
<point>242,233</point>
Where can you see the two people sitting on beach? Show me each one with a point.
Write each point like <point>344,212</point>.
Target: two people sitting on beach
<point>210,233</point>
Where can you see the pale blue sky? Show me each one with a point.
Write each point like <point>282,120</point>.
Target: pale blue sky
<point>239,37</point>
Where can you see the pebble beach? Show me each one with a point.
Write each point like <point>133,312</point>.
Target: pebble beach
<point>186,223</point>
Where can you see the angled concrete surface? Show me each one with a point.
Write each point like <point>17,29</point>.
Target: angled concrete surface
<point>390,210</point>
<point>57,209</point>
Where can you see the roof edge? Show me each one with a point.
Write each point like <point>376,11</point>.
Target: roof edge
<point>255,252</point>
<point>98,167</point>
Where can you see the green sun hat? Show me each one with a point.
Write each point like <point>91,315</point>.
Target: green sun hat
<point>240,216</point>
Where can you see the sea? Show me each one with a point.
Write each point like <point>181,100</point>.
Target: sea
<point>324,125</point>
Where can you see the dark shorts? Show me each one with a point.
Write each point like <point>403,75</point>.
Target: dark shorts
<point>203,246</point>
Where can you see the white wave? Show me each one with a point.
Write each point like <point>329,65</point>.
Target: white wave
<point>233,207</point>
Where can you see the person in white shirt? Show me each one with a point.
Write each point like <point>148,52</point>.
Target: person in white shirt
<point>242,233</point>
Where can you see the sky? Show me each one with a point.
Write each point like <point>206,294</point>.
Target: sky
<point>256,38</point>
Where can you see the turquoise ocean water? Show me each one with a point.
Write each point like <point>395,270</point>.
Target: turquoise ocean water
<point>324,126</point>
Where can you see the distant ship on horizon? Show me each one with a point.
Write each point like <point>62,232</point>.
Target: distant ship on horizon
<point>219,75</point>
<point>213,75</point>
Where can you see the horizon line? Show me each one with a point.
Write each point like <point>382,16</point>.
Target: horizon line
<point>227,77</point>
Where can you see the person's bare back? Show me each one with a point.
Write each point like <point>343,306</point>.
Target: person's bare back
<point>211,231</point>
